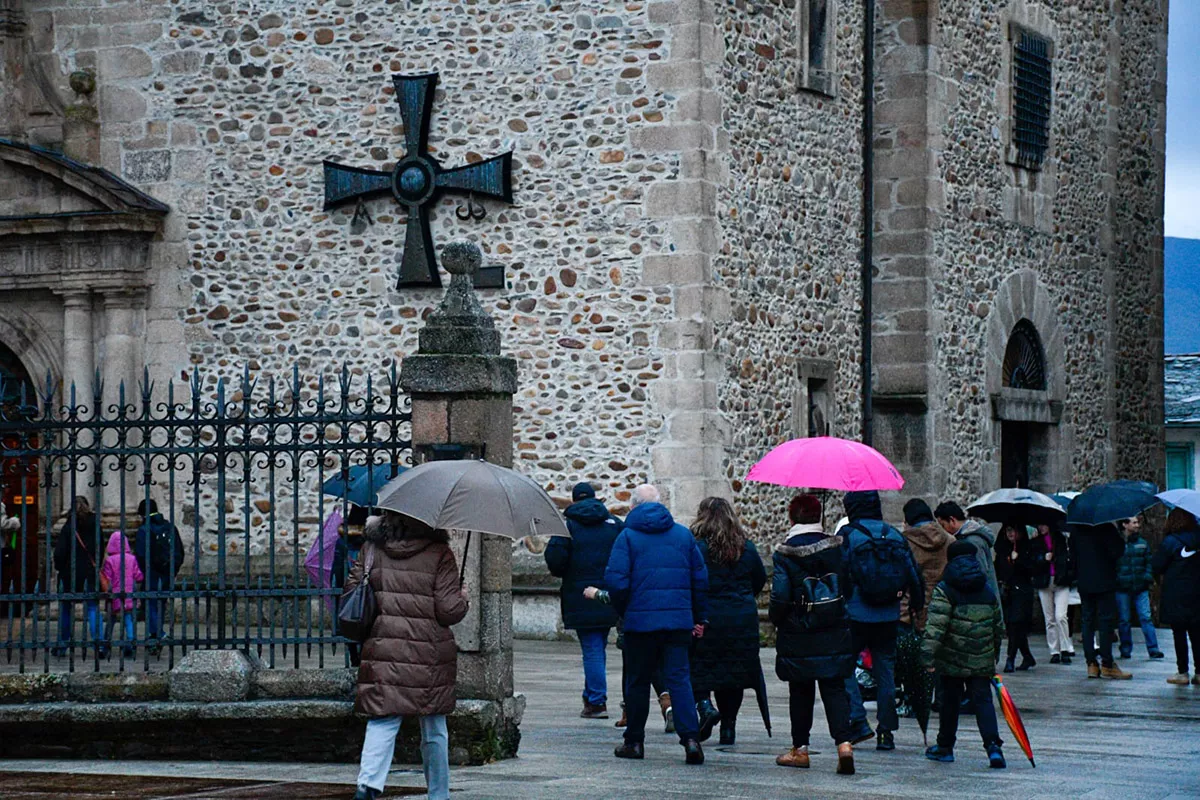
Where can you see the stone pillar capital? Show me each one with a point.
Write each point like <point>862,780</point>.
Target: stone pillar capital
<point>76,298</point>
<point>120,298</point>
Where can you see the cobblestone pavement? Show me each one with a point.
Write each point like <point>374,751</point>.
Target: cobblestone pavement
<point>1093,739</point>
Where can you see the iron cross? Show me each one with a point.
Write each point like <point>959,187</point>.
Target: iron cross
<point>418,180</point>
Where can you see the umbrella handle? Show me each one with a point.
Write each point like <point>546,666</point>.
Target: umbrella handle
<point>462,568</point>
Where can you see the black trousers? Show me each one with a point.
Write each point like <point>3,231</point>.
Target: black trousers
<point>1182,632</point>
<point>980,692</point>
<point>645,653</point>
<point>1099,616</point>
<point>802,695</point>
<point>729,703</point>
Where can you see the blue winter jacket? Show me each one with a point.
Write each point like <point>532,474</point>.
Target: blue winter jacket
<point>581,560</point>
<point>857,609</point>
<point>656,574</point>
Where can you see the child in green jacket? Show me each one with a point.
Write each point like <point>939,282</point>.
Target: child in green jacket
<point>962,644</point>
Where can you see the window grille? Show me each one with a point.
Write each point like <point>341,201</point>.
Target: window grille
<point>1032,88</point>
<point>1024,360</point>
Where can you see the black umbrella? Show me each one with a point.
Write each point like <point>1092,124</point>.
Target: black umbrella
<point>1110,502</point>
<point>760,692</point>
<point>912,675</point>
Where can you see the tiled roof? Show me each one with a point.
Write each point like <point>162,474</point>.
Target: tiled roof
<point>1181,390</point>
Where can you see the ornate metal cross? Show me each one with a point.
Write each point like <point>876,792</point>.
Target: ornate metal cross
<point>418,180</point>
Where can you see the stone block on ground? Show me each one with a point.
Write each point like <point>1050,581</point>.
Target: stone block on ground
<point>211,676</point>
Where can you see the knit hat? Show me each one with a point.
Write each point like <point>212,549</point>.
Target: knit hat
<point>583,491</point>
<point>960,549</point>
<point>862,505</point>
<point>917,510</point>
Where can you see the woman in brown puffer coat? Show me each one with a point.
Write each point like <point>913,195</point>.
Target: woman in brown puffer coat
<point>409,663</point>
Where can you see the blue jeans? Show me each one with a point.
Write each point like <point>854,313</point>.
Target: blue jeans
<point>880,637</point>
<point>1127,603</point>
<point>380,745</point>
<point>66,622</point>
<point>155,608</point>
<point>593,641</point>
<point>644,654</point>
<point>980,692</point>
<point>128,622</point>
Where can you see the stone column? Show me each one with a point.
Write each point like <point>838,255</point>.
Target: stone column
<point>78,371</point>
<point>118,367</point>
<point>461,389</point>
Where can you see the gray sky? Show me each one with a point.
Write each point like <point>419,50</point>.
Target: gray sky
<point>1183,121</point>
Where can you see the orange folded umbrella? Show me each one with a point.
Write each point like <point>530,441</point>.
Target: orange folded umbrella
<point>1012,716</point>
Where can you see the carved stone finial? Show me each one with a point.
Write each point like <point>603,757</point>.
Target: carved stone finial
<point>459,324</point>
<point>461,258</point>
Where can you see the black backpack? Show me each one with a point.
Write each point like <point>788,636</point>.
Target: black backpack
<point>879,567</point>
<point>820,603</point>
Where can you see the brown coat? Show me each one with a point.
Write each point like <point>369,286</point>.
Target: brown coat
<point>410,663</point>
<point>928,543</point>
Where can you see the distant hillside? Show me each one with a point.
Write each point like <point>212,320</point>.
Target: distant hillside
<point>1181,283</point>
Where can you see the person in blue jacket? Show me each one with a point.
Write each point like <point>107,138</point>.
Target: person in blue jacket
<point>658,582</point>
<point>581,561</point>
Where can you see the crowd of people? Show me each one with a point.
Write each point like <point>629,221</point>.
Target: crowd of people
<point>685,606</point>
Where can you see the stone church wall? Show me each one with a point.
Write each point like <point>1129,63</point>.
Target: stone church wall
<point>790,213</point>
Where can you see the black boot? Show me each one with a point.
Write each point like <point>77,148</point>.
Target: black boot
<point>709,717</point>
<point>1008,665</point>
<point>633,750</point>
<point>727,733</point>
<point>367,793</point>
<point>693,753</point>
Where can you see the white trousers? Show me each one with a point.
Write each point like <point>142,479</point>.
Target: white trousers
<point>380,745</point>
<point>1054,609</point>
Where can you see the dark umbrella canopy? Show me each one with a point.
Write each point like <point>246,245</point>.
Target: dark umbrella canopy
<point>1110,502</point>
<point>360,484</point>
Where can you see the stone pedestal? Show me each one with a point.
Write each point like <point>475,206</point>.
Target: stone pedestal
<point>462,389</point>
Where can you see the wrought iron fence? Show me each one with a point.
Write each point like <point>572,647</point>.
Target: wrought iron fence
<point>236,470</point>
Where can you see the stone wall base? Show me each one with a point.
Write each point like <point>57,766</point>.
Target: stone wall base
<point>253,730</point>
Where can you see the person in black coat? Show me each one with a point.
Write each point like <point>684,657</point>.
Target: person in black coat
<point>1014,571</point>
<point>1095,550</point>
<point>813,640</point>
<point>581,561</point>
<point>725,661</point>
<point>1178,564</point>
<point>77,564</point>
<point>1053,575</point>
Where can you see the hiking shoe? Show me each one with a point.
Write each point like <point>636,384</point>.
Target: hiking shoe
<point>1056,659</point>
<point>623,721</point>
<point>693,753</point>
<point>709,717</point>
<point>1178,679</point>
<point>939,753</point>
<point>668,713</point>
<point>845,759</point>
<point>1157,654</point>
<point>594,712</point>
<point>862,733</point>
<point>995,757</point>
<point>1114,672</point>
<point>885,741</point>
<point>1093,670</point>
<point>1027,664</point>
<point>634,750</point>
<point>796,757</point>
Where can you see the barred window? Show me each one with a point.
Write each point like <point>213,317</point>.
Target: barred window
<point>1031,97</point>
<point>817,31</point>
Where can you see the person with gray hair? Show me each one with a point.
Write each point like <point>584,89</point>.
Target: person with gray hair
<point>646,493</point>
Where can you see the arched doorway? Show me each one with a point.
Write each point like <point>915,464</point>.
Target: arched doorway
<point>19,484</point>
<point>1023,443</point>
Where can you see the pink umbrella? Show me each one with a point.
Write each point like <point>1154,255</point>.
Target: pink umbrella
<point>319,560</point>
<point>825,462</point>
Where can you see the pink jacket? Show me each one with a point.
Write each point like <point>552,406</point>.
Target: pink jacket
<point>121,571</point>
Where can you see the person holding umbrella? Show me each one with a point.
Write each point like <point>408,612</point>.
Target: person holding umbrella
<point>725,661</point>
<point>409,662</point>
<point>1177,562</point>
<point>1052,574</point>
<point>1096,550</point>
<point>814,649</point>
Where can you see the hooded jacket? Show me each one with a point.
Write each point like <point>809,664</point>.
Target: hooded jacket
<point>581,561</point>
<point>1177,560</point>
<point>802,654</point>
<point>964,628</point>
<point>928,543</point>
<point>983,539</point>
<point>656,574</point>
<point>121,570</point>
<point>410,661</point>
<point>863,509</point>
<point>1134,570</point>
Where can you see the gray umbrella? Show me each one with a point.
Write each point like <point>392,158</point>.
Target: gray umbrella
<point>473,496</point>
<point>1017,505</point>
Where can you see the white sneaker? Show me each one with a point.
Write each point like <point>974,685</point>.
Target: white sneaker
<point>1179,679</point>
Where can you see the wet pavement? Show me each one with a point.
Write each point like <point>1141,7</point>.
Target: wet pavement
<point>1091,738</point>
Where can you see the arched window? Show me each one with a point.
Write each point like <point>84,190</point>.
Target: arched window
<point>1024,358</point>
